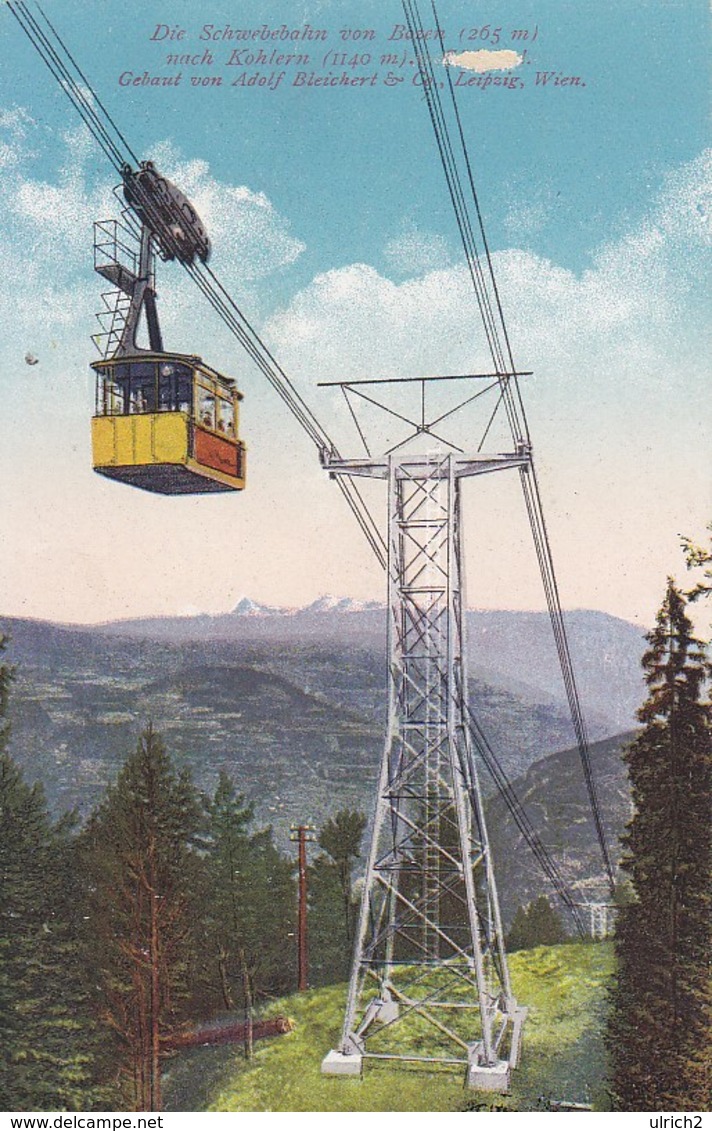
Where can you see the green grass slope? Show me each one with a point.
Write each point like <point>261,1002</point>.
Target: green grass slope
<point>562,1057</point>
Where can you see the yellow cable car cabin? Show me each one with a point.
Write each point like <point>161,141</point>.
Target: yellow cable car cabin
<point>168,423</point>
<point>165,422</point>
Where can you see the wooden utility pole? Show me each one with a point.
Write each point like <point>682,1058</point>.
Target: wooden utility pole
<point>302,834</point>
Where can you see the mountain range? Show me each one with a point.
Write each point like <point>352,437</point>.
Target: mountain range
<point>512,651</point>
<point>292,704</point>
<point>555,798</point>
<point>246,607</point>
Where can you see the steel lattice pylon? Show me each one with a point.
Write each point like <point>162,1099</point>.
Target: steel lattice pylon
<point>429,981</point>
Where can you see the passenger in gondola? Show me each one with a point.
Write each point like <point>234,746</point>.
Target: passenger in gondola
<point>180,405</point>
<point>227,418</point>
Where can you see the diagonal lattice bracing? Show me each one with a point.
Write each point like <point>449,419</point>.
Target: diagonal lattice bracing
<point>429,979</point>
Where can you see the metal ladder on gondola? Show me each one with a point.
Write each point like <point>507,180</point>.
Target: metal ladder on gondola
<point>116,260</point>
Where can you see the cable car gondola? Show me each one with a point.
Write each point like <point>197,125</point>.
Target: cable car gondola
<point>168,423</point>
<point>165,422</point>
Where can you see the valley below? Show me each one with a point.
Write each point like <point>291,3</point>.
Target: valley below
<point>292,705</point>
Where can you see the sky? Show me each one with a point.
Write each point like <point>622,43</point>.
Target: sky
<point>332,228</point>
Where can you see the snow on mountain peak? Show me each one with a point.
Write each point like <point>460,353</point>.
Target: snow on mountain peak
<point>329,604</point>
<point>246,607</point>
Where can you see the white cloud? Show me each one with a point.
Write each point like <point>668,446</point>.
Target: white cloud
<point>244,225</point>
<point>15,124</point>
<point>620,420</point>
<point>16,120</point>
<point>638,291</point>
<point>47,245</point>
<point>356,322</point>
<point>684,211</point>
<point>54,218</point>
<point>526,218</point>
<point>57,217</point>
<point>412,251</point>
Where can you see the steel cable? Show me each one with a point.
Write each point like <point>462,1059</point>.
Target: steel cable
<point>225,306</point>
<point>513,401</point>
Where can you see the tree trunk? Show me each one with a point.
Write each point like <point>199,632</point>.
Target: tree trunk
<point>155,1008</point>
<point>247,994</point>
<point>154,959</point>
<point>224,981</point>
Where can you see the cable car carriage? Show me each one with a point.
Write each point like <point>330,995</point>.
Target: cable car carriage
<point>164,422</point>
<point>167,423</point>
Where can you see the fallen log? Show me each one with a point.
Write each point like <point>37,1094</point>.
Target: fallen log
<point>229,1034</point>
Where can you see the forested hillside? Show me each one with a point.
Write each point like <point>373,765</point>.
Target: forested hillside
<point>291,705</point>
<point>185,765</point>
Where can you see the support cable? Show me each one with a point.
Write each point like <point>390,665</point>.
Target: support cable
<point>509,795</point>
<point>60,62</point>
<point>94,95</point>
<point>472,256</point>
<point>500,345</point>
<point>118,151</point>
<point>66,81</point>
<point>522,429</point>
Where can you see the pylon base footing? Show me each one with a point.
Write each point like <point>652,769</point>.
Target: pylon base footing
<point>519,1015</point>
<point>489,1077</point>
<point>337,1063</point>
<point>387,1010</point>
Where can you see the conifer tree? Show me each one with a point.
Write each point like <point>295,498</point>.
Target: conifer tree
<point>329,952</point>
<point>341,838</point>
<point>661,1007</point>
<point>332,904</point>
<point>518,937</point>
<point>249,906</point>
<point>537,924</point>
<point>142,874</point>
<point>698,557</point>
<point>45,1057</point>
